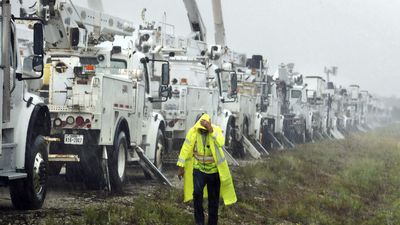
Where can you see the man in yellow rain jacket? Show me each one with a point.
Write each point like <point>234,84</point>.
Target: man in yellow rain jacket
<point>202,163</point>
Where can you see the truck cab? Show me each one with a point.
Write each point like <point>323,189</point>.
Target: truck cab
<point>25,118</point>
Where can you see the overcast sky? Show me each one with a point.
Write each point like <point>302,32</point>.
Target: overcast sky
<point>361,37</point>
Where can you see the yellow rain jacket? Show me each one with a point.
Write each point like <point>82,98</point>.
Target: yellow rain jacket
<point>186,160</point>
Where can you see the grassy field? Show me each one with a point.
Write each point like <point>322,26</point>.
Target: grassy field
<point>352,181</point>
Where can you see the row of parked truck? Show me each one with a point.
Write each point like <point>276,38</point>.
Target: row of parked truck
<point>69,101</point>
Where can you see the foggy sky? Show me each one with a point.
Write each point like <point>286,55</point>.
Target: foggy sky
<point>361,37</point>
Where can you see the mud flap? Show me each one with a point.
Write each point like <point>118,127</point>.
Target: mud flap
<point>229,158</point>
<point>249,147</point>
<point>147,165</point>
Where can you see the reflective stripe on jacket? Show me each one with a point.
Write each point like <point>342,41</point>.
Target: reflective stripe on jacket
<point>186,160</point>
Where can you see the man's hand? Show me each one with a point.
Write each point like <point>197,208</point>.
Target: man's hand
<point>207,125</point>
<point>181,172</point>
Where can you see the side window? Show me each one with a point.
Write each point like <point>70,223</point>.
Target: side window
<point>118,64</point>
<point>146,78</point>
<point>12,49</point>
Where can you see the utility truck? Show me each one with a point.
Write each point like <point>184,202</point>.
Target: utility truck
<point>316,97</point>
<point>333,111</point>
<point>244,123</point>
<point>195,84</point>
<point>100,99</point>
<point>294,108</point>
<point>25,118</point>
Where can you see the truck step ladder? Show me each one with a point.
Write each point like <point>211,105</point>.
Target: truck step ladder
<point>229,157</point>
<point>13,175</point>
<point>150,167</point>
<point>8,145</point>
<point>326,135</point>
<point>63,158</point>
<point>249,147</point>
<point>360,128</point>
<point>275,141</point>
<point>318,135</point>
<point>258,146</point>
<point>336,134</point>
<point>286,142</point>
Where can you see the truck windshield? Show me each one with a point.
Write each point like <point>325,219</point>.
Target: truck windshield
<point>225,82</point>
<point>296,94</point>
<point>118,64</point>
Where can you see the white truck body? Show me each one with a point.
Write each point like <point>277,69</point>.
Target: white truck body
<point>25,119</point>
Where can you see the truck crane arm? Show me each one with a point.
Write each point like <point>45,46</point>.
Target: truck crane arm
<point>196,22</point>
<point>69,26</point>
<point>218,23</point>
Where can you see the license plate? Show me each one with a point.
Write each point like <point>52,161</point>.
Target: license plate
<point>73,139</point>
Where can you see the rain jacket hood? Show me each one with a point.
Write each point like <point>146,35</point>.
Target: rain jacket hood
<point>198,125</point>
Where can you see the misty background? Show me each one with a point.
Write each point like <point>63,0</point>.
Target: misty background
<point>361,37</point>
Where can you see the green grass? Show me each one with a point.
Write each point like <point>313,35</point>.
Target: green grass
<point>352,181</point>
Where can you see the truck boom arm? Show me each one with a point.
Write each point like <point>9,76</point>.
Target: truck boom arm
<point>69,26</point>
<point>218,23</point>
<point>196,22</point>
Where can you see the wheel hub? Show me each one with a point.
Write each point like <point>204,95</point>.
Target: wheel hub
<point>39,173</point>
<point>159,154</point>
<point>121,161</point>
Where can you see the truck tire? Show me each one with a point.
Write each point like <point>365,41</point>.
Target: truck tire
<point>30,192</point>
<point>230,135</point>
<point>158,153</point>
<point>246,128</point>
<point>117,162</point>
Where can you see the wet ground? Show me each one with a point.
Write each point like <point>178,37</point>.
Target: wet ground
<point>66,200</point>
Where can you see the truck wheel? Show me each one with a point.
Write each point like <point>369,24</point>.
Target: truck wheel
<point>246,129</point>
<point>303,137</point>
<point>230,136</point>
<point>265,142</point>
<point>29,193</point>
<point>158,153</point>
<point>117,163</point>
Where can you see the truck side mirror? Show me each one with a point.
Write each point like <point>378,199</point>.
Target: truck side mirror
<point>233,93</point>
<point>165,74</point>
<point>37,63</point>
<point>75,36</point>
<point>38,39</point>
